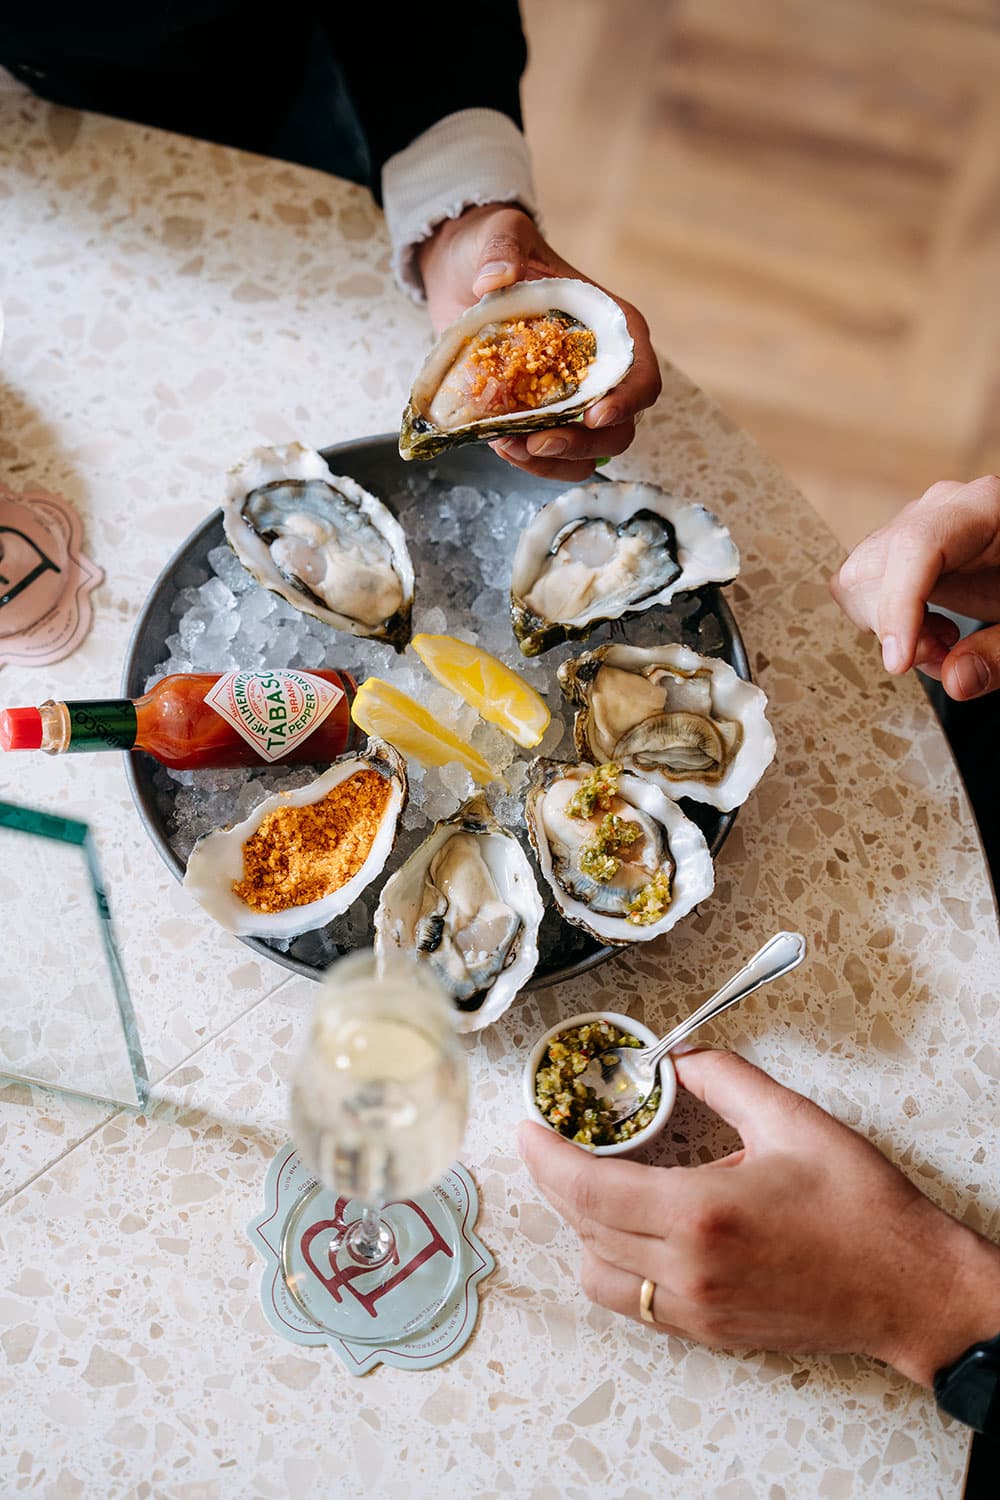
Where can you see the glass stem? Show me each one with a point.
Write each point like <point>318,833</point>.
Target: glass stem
<point>370,1239</point>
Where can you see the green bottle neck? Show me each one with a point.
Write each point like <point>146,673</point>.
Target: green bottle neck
<point>102,724</point>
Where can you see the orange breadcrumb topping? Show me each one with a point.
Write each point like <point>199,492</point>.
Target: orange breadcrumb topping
<point>301,854</point>
<point>530,363</point>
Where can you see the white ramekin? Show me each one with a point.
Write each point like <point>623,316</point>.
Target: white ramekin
<point>668,1079</point>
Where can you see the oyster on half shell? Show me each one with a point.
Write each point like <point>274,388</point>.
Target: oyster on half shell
<point>621,858</point>
<point>608,549</point>
<point>532,355</point>
<point>688,721</point>
<point>320,541</point>
<point>466,903</point>
<point>216,864</point>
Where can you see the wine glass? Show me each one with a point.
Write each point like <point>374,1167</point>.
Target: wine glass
<point>379,1102</point>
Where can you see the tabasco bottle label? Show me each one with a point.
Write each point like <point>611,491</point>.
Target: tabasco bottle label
<point>273,711</point>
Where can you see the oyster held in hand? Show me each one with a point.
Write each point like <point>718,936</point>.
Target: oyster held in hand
<point>532,355</point>
<point>689,721</point>
<point>608,549</point>
<point>322,542</point>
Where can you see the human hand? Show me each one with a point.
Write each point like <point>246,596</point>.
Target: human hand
<point>493,247</point>
<point>806,1239</point>
<point>942,549</point>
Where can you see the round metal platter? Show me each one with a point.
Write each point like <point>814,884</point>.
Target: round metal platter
<point>375,464</point>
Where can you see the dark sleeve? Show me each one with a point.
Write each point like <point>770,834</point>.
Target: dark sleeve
<point>403,78</point>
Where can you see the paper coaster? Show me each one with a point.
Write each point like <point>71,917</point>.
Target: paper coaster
<point>45,580</point>
<point>288,1182</point>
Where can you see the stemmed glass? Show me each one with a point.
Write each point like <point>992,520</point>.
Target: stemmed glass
<point>379,1103</point>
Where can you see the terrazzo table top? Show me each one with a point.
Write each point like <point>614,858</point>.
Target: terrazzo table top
<point>169,304</point>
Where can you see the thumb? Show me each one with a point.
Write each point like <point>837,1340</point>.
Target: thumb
<point>744,1096</point>
<point>973,666</point>
<point>503,255</point>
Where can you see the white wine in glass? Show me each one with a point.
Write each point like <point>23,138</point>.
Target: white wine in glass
<point>379,1104</point>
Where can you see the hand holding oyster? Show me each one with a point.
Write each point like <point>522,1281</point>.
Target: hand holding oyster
<point>494,247</point>
<point>532,355</point>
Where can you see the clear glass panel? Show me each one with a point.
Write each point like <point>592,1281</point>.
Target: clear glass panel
<point>66,1020</point>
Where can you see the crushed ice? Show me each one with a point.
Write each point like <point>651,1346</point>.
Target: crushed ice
<point>462,542</point>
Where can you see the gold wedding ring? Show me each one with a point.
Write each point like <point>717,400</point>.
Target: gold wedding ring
<point>646,1301</point>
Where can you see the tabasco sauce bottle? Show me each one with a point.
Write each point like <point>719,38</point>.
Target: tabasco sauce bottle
<point>195,720</point>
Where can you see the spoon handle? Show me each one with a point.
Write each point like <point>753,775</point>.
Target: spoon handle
<point>783,952</point>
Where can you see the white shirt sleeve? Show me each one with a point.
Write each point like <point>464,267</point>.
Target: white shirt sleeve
<point>473,157</point>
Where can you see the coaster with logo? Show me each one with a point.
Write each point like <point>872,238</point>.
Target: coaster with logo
<point>299,1216</point>
<point>45,579</point>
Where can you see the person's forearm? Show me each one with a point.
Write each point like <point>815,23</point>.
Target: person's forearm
<point>948,1296</point>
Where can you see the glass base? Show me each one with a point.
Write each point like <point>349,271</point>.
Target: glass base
<point>382,1303</point>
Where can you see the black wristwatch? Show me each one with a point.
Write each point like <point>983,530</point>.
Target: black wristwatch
<point>969,1389</point>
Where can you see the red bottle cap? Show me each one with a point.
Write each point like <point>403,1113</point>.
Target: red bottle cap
<point>20,729</point>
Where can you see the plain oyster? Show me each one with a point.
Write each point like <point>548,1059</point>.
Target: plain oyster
<point>216,863</point>
<point>321,541</point>
<point>607,549</point>
<point>466,903</point>
<point>621,858</point>
<point>532,355</point>
<point>688,721</point>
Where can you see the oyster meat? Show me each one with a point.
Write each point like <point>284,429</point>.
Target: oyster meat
<point>320,864</point>
<point>531,355</point>
<point>321,541</point>
<point>689,721</point>
<point>621,858</point>
<point>466,903</point>
<point>608,549</point>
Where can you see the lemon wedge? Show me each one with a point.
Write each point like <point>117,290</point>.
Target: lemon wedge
<point>382,710</point>
<point>497,694</point>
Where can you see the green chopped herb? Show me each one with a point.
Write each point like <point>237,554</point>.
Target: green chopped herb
<point>597,857</point>
<point>652,901</point>
<point>596,791</point>
<point>575,1111</point>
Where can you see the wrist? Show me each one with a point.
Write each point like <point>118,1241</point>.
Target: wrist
<point>951,1299</point>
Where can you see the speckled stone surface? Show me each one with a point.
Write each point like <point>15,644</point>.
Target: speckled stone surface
<point>168,305</point>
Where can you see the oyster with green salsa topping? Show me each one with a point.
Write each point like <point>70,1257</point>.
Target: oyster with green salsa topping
<point>621,858</point>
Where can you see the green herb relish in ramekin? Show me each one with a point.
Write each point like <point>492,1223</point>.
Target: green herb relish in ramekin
<point>578,1112</point>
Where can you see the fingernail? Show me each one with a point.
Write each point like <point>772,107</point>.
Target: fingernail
<point>606,416</point>
<point>891,654</point>
<point>493,268</point>
<point>972,675</point>
<point>547,447</point>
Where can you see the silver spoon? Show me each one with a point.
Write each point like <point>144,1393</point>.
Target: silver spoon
<point>624,1077</point>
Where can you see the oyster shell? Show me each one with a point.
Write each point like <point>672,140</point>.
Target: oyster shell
<point>466,903</point>
<point>480,381</point>
<point>216,862</point>
<point>659,866</point>
<point>688,721</point>
<point>607,549</point>
<point>320,541</point>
